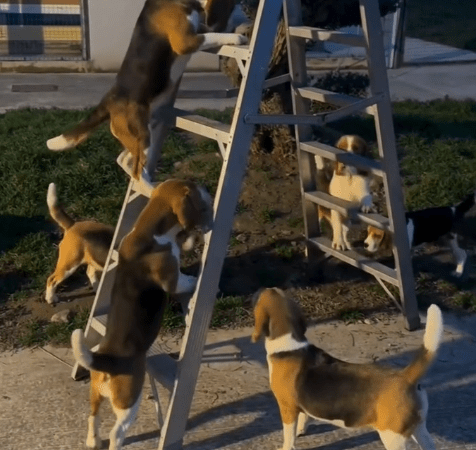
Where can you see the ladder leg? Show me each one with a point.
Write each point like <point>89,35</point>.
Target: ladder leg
<point>201,305</point>
<point>371,24</point>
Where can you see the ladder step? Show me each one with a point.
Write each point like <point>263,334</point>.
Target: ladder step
<point>347,209</point>
<point>99,324</point>
<point>161,366</point>
<point>368,265</point>
<point>347,158</point>
<point>334,98</point>
<point>231,51</point>
<point>318,34</point>
<point>202,126</point>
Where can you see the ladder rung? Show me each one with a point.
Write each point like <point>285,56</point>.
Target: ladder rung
<point>336,154</point>
<point>202,126</point>
<point>232,51</point>
<point>347,209</point>
<point>353,258</point>
<point>99,324</point>
<point>334,98</point>
<point>161,366</point>
<point>339,37</point>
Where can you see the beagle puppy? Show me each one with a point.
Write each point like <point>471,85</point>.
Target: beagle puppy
<point>308,383</point>
<point>148,271</point>
<point>428,225</point>
<point>164,38</point>
<point>347,183</point>
<point>83,242</point>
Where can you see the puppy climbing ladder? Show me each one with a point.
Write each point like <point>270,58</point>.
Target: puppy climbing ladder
<point>180,376</point>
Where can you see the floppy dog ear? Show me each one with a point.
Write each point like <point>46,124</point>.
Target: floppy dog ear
<point>261,323</point>
<point>187,210</point>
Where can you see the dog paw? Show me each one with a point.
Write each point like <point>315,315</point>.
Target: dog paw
<point>367,208</point>
<point>338,245</point>
<point>457,273</point>
<point>51,299</point>
<point>240,40</point>
<point>186,284</point>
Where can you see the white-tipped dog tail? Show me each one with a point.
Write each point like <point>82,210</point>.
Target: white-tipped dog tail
<point>57,212</point>
<point>100,362</point>
<point>60,142</point>
<point>81,352</point>
<point>433,329</point>
<point>431,342</point>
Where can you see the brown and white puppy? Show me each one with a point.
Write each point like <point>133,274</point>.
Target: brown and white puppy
<point>148,271</point>
<point>428,225</point>
<point>165,36</point>
<point>349,184</point>
<point>308,383</point>
<point>83,242</point>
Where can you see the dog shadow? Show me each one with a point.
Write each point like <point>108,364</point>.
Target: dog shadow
<point>14,228</point>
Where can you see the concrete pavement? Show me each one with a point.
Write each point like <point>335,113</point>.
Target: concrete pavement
<point>41,407</point>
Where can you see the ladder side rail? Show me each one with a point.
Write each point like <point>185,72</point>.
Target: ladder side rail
<point>307,167</point>
<point>372,27</point>
<point>102,298</point>
<point>216,242</point>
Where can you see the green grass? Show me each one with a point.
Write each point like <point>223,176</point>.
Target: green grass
<point>449,23</point>
<point>267,215</point>
<point>437,150</point>
<point>284,251</point>
<point>40,332</point>
<point>466,300</point>
<point>228,311</point>
<point>351,316</point>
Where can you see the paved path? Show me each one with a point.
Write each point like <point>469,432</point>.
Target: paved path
<point>41,407</point>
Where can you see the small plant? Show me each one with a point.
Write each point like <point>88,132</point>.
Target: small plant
<point>233,241</point>
<point>241,208</point>
<point>228,311</point>
<point>295,222</point>
<point>466,300</point>
<point>284,251</point>
<point>267,215</point>
<point>351,316</point>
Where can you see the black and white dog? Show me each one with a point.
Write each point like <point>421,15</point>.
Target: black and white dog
<point>428,225</point>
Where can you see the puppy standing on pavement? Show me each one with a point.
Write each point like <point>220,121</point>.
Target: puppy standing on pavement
<point>148,270</point>
<point>83,242</point>
<point>428,225</point>
<point>165,36</point>
<point>309,383</point>
<point>347,183</point>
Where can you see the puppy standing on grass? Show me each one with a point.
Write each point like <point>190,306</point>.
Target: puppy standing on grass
<point>83,242</point>
<point>148,270</point>
<point>165,36</point>
<point>309,383</point>
<point>347,183</point>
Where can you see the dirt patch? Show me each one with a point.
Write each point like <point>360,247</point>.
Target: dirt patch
<point>267,248</point>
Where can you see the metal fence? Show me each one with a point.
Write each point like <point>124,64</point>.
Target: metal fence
<point>42,30</point>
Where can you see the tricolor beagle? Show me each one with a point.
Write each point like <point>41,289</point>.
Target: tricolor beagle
<point>308,383</point>
<point>428,225</point>
<point>165,36</point>
<point>83,242</point>
<point>148,270</point>
<point>347,183</point>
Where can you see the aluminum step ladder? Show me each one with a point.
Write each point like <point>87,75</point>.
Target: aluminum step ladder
<point>179,376</point>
